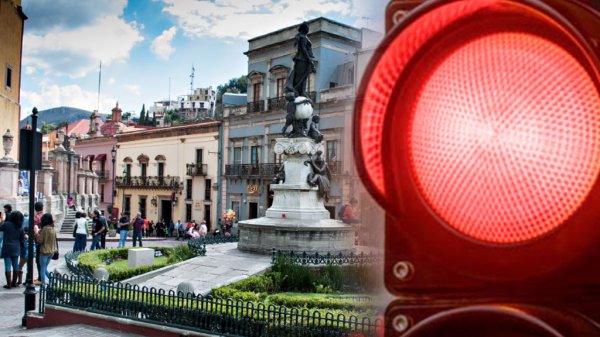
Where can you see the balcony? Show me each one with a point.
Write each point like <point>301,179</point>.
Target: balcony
<point>196,169</point>
<point>159,183</point>
<point>251,170</point>
<point>102,175</point>
<point>277,103</point>
<point>257,106</point>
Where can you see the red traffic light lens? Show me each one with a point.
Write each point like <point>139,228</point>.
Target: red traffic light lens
<point>504,137</point>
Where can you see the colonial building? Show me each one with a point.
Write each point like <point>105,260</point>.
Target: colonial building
<point>199,105</point>
<point>251,129</point>
<point>96,149</point>
<point>169,173</point>
<point>11,39</point>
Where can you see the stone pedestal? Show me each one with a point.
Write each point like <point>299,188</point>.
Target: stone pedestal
<point>139,257</point>
<point>297,220</point>
<point>9,178</point>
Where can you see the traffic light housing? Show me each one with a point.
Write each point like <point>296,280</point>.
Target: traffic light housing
<point>477,128</point>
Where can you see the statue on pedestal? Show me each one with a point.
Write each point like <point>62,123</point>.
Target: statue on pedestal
<point>320,175</point>
<point>299,107</point>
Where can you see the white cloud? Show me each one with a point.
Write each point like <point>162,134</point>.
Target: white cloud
<point>111,80</point>
<point>30,70</point>
<point>241,19</point>
<point>51,96</point>
<point>161,46</point>
<point>75,52</point>
<point>133,89</point>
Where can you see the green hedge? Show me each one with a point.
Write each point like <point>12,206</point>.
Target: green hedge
<point>118,271</point>
<point>345,302</point>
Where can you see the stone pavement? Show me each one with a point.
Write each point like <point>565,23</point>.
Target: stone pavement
<point>77,330</point>
<point>222,265</point>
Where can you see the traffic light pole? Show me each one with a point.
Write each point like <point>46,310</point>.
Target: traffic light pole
<point>30,288</point>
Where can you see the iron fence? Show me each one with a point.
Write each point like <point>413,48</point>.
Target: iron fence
<point>226,317</point>
<point>305,258</point>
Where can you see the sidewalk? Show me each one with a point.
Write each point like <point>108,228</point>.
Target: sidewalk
<point>222,265</point>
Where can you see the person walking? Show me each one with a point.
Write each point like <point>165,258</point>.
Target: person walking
<point>24,248</point>
<point>48,244</point>
<point>203,229</point>
<point>99,227</point>
<point>80,232</point>
<point>37,224</point>
<point>179,230</point>
<point>11,249</point>
<point>103,234</point>
<point>123,229</point>
<point>7,210</point>
<point>138,227</point>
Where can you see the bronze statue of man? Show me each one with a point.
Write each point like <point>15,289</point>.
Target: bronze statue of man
<point>295,86</point>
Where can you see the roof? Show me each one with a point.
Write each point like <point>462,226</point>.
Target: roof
<point>231,99</point>
<point>78,127</point>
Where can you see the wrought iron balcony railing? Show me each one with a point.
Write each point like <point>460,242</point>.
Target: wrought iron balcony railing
<point>153,182</point>
<point>251,170</point>
<point>257,106</point>
<point>278,103</point>
<point>197,169</point>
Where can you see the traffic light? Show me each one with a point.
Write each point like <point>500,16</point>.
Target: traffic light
<point>477,128</point>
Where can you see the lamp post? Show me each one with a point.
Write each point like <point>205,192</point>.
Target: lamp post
<point>113,153</point>
<point>123,187</point>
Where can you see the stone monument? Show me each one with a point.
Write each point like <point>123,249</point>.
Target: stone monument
<point>298,220</point>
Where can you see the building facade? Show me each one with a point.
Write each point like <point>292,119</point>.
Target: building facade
<point>12,21</point>
<point>199,105</point>
<point>169,173</point>
<point>251,130</point>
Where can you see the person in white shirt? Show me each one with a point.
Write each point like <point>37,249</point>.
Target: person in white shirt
<point>203,229</point>
<point>80,232</point>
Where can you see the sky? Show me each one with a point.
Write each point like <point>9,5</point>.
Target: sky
<point>144,43</point>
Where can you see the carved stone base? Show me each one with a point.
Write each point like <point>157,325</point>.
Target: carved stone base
<point>323,236</point>
<point>297,220</point>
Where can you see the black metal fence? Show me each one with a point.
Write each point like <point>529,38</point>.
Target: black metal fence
<point>305,258</point>
<point>208,314</point>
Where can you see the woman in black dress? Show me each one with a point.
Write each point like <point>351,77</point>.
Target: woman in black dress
<point>11,248</point>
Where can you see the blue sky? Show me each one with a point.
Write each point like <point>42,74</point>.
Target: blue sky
<point>142,43</point>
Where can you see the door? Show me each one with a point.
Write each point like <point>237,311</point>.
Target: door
<point>252,210</point>
<point>166,210</point>
<point>207,216</point>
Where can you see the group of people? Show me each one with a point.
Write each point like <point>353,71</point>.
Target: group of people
<point>14,243</point>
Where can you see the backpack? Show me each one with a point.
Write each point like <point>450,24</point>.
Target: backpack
<point>341,211</point>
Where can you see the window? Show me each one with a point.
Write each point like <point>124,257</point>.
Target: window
<point>161,170</point>
<point>144,169</point>
<point>188,189</point>
<point>102,193</point>
<point>331,155</point>
<point>256,92</point>
<point>199,156</point>
<point>8,81</point>
<point>254,155</point>
<point>207,216</point>
<point>280,87</point>
<point>127,206</point>
<point>128,170</point>
<point>201,105</point>
<point>207,189</point>
<point>237,155</point>
<point>188,212</point>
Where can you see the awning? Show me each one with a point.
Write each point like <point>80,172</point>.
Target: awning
<point>101,157</point>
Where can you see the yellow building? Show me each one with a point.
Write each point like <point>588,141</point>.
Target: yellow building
<point>11,44</point>
<point>169,173</point>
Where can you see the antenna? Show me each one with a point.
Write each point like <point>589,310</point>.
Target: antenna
<point>192,81</point>
<point>99,81</point>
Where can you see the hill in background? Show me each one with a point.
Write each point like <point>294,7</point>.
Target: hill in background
<point>57,115</point>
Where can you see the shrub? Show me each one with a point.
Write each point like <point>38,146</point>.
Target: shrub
<point>294,277</point>
<point>119,271</point>
<point>318,302</point>
<point>230,292</point>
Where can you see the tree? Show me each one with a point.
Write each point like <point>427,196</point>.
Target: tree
<point>126,116</point>
<point>235,85</point>
<point>142,120</point>
<point>153,118</point>
<point>47,128</point>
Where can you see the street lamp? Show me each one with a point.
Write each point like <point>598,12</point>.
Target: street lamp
<point>113,154</point>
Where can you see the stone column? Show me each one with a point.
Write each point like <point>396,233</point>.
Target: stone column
<point>44,179</point>
<point>9,176</point>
